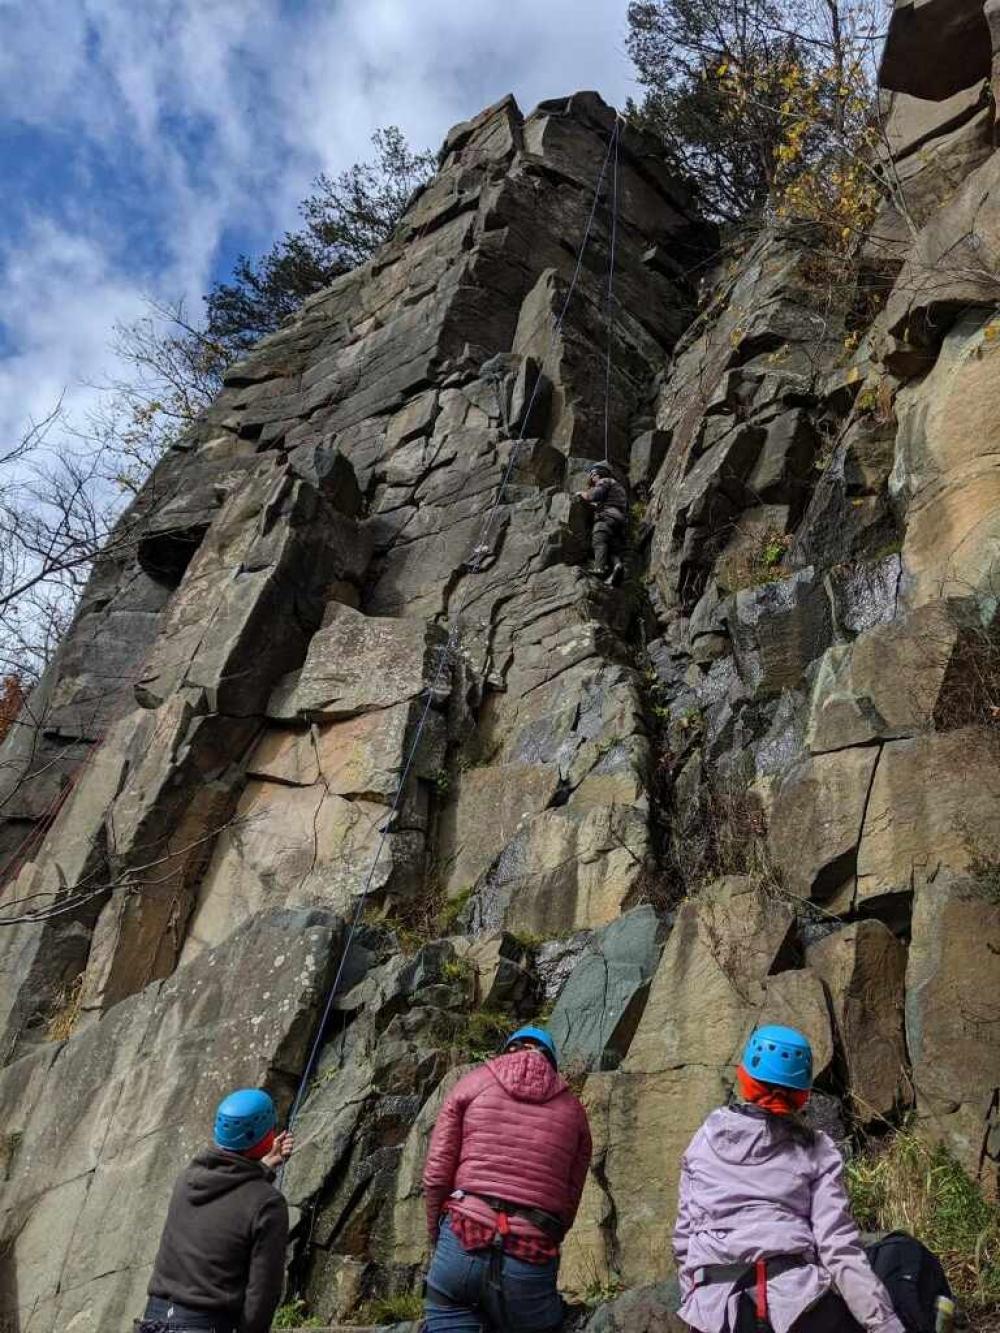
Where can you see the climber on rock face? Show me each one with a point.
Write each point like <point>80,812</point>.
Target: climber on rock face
<point>505,1170</point>
<point>608,499</point>
<point>221,1262</point>
<point>764,1236</point>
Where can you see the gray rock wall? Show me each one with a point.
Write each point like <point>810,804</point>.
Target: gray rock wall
<point>757,784</point>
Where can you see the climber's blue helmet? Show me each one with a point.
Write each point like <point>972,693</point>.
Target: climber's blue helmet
<point>539,1037</point>
<point>781,1056</point>
<point>244,1119</point>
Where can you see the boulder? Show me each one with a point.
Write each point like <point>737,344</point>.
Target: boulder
<point>565,870</point>
<point>502,970</point>
<point>778,629</point>
<point>355,663</point>
<point>708,992</point>
<point>932,809</point>
<point>816,824</point>
<point>487,812</point>
<point>953,1016</point>
<point>914,121</point>
<point>864,594</point>
<point>785,460</point>
<point>955,31</point>
<point>945,473</point>
<point>650,1309</point>
<point>797,999</point>
<point>646,457</point>
<point>890,682</point>
<point>864,968</point>
<point>128,1103</point>
<point>600,1005</point>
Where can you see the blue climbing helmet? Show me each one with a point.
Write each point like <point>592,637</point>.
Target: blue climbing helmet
<point>543,1038</point>
<point>781,1056</point>
<point>243,1119</point>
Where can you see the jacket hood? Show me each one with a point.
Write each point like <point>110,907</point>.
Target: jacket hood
<point>215,1172</point>
<point>527,1076</point>
<point>738,1134</point>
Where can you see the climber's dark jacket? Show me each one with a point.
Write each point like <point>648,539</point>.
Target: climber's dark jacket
<point>608,498</point>
<point>223,1244</point>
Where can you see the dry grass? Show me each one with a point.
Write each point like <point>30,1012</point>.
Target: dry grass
<point>724,833</point>
<point>63,1022</point>
<point>905,1184</point>
<point>757,559</point>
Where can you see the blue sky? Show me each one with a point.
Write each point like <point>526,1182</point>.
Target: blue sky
<point>145,143</point>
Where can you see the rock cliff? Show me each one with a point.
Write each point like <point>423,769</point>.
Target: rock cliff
<point>759,782</point>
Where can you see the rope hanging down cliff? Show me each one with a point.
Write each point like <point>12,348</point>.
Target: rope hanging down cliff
<point>473,566</point>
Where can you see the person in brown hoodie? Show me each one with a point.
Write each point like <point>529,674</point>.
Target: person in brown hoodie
<point>220,1267</point>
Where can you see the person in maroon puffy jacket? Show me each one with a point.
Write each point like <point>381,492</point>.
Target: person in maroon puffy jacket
<point>506,1166</point>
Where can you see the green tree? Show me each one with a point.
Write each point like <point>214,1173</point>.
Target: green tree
<point>683,51</point>
<point>766,105</point>
<point>347,217</point>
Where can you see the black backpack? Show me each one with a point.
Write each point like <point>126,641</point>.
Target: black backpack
<point>913,1277</point>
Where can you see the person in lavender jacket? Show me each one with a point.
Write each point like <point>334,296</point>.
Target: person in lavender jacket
<point>764,1236</point>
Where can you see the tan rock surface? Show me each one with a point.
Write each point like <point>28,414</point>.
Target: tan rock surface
<point>933,808</point>
<point>816,822</point>
<point>953,1017</point>
<point>946,469</point>
<point>864,968</point>
<point>886,683</point>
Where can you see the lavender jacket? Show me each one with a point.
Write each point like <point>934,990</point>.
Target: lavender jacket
<point>749,1193</point>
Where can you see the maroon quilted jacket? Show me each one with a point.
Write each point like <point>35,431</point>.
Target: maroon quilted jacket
<point>513,1129</point>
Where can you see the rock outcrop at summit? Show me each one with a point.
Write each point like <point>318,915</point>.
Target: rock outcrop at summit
<point>759,783</point>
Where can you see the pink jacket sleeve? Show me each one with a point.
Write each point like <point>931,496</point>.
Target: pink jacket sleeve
<point>443,1155</point>
<point>839,1248</point>
<point>581,1165</point>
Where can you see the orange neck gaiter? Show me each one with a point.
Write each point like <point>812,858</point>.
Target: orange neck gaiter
<point>769,1097</point>
<point>261,1149</point>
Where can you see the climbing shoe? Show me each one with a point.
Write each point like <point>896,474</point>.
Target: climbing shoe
<point>599,571</point>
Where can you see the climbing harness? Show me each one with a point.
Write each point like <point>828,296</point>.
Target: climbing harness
<point>480,551</point>
<point>552,1226</point>
<point>754,1276</point>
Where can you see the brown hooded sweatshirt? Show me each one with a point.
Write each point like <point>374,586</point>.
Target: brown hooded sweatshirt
<point>223,1244</point>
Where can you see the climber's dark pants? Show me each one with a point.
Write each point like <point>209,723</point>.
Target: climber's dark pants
<point>608,539</point>
<point>461,1299</point>
<point>167,1317</point>
<point>828,1315</point>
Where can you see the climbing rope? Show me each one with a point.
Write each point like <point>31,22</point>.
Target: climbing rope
<point>610,311</point>
<point>473,565</point>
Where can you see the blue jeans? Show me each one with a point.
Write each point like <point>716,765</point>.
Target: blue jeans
<point>530,1303</point>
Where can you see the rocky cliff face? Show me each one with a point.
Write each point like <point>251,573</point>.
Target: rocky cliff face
<point>760,782</point>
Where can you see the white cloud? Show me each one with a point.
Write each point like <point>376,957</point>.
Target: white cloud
<point>227,109</point>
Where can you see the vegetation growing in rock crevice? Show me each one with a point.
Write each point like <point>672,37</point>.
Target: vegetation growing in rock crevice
<point>903,1184</point>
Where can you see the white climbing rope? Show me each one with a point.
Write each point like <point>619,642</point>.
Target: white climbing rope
<point>447,651</point>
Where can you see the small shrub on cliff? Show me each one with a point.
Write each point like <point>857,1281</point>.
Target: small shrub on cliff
<point>399,1309</point>
<point>293,1315</point>
<point>756,561</point>
<point>908,1185</point>
<point>485,1034</point>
